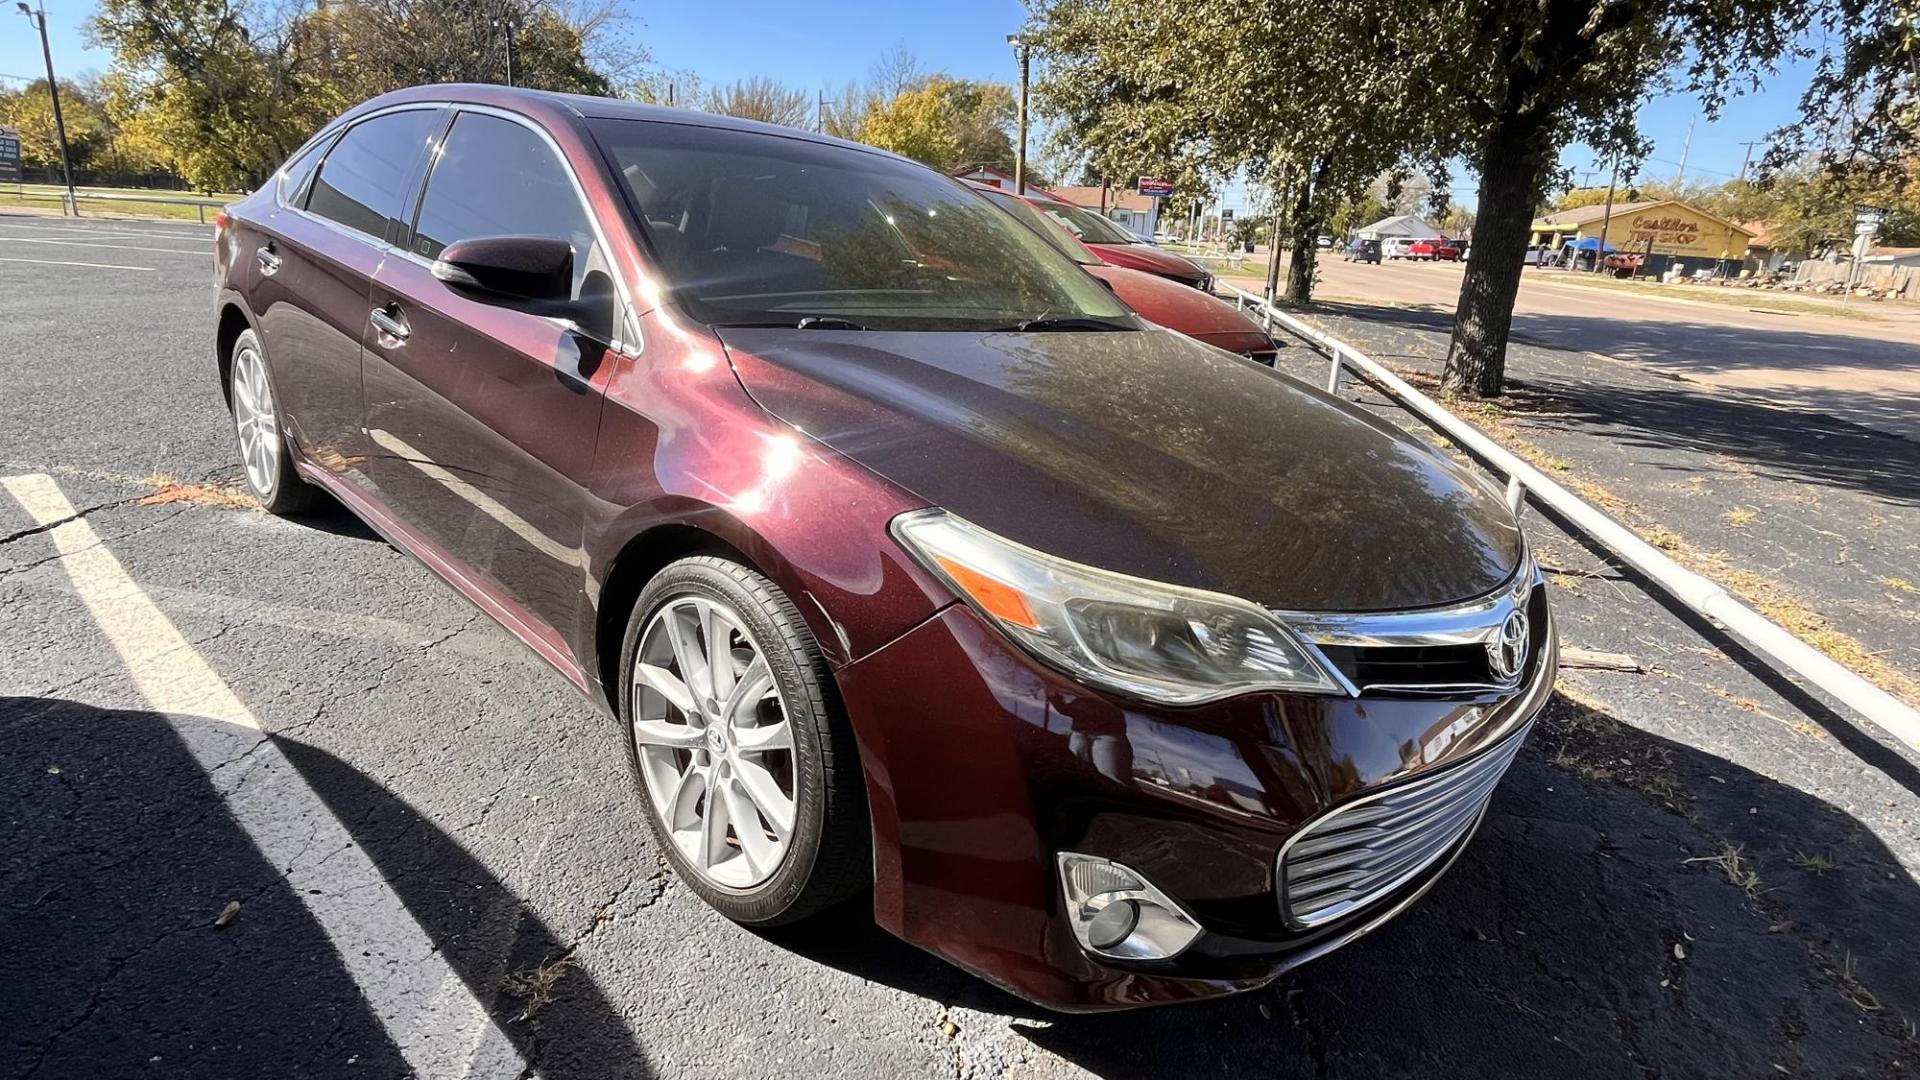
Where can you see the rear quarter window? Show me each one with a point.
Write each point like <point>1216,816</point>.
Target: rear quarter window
<point>365,177</point>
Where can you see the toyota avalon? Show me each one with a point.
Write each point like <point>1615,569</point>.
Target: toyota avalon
<point>911,564</point>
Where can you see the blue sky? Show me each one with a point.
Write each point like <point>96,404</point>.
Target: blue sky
<point>827,42</point>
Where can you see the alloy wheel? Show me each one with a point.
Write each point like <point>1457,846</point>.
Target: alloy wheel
<point>256,421</point>
<point>714,744</point>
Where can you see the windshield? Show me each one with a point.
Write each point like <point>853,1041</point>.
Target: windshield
<point>1090,227</point>
<point>1049,231</point>
<point>761,230</point>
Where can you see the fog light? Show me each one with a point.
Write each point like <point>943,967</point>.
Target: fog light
<point>1117,912</point>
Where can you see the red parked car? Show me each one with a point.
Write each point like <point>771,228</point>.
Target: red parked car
<point>910,564</point>
<point>1176,307</point>
<point>1117,247</point>
<point>1434,249</point>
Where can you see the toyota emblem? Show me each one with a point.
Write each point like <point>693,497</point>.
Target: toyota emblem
<point>1507,652</point>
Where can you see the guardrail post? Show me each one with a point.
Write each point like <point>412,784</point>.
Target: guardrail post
<point>203,213</point>
<point>1516,495</point>
<point>1335,369</point>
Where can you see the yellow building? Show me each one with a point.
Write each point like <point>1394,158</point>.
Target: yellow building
<point>1664,231</point>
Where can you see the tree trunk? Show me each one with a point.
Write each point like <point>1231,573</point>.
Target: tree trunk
<point>1300,265</point>
<point>1512,167</point>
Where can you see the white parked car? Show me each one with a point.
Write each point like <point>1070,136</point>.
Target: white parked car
<point>1398,247</point>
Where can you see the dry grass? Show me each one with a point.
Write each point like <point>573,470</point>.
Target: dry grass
<point>1739,517</point>
<point>1764,594</point>
<point>1899,585</point>
<point>208,495</point>
<point>1728,861</point>
<point>1816,863</point>
<point>535,987</point>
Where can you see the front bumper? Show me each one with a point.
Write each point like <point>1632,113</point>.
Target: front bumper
<point>983,764</point>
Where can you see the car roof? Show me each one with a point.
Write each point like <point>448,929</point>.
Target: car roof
<point>589,107</point>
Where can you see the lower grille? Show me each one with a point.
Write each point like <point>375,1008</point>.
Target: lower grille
<point>1366,849</point>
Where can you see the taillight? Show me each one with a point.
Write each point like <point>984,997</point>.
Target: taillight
<point>219,222</point>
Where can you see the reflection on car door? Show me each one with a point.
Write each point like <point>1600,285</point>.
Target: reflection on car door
<point>482,417</point>
<point>313,272</point>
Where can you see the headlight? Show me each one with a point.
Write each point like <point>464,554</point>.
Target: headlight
<point>1161,642</point>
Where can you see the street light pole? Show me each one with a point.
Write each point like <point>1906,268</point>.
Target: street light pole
<point>1606,219</point>
<point>1024,50</point>
<point>506,23</point>
<point>53,88</point>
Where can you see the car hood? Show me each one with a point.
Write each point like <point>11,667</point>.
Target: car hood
<point>1176,306</point>
<point>1148,454</point>
<point>1150,259</point>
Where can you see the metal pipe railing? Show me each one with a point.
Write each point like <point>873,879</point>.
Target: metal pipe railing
<point>1785,652</point>
<point>200,202</point>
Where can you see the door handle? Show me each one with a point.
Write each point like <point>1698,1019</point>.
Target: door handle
<point>269,262</point>
<point>391,324</point>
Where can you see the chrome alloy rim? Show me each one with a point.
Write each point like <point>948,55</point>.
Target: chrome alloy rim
<point>714,742</point>
<point>254,418</point>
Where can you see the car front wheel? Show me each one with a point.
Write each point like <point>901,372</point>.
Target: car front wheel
<point>744,755</point>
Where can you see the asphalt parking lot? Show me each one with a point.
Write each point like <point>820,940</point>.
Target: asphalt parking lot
<point>274,802</point>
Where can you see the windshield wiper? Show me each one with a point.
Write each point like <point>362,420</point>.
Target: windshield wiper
<point>828,322</point>
<point>1069,323</point>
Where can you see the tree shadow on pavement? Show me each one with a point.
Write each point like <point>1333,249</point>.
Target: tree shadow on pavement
<point>117,855</point>
<point>1796,440</point>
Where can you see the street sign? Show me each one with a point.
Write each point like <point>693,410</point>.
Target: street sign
<point>9,156</point>
<point>1158,189</point>
<point>1226,215</point>
<point>1868,219</point>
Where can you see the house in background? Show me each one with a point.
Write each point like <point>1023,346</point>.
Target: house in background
<point>1138,214</point>
<point>1398,227</point>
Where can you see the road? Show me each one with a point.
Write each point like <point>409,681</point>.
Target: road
<point>1866,370</point>
<point>274,802</point>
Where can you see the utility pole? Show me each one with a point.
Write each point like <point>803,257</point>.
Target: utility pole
<point>508,23</point>
<point>1680,178</point>
<point>53,88</point>
<point>1748,159</point>
<point>823,112</point>
<point>1606,218</point>
<point>1023,48</point>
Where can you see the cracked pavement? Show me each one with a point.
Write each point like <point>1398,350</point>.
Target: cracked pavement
<point>1694,871</point>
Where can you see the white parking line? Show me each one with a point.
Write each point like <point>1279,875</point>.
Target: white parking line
<point>109,247</point>
<point>96,266</point>
<point>428,1012</point>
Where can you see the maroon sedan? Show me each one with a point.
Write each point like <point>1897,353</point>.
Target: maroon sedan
<point>912,566</point>
<point>1118,247</point>
<point>1196,314</point>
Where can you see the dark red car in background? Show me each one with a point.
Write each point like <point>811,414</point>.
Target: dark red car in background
<point>911,564</point>
<point>1434,249</point>
<point>1118,247</point>
<point>1176,307</point>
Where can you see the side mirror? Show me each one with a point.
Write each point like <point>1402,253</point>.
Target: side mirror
<point>529,272</point>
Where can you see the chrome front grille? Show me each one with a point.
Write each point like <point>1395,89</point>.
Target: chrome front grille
<point>1363,851</point>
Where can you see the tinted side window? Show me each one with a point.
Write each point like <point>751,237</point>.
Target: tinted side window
<point>494,177</point>
<point>364,179</point>
<point>293,175</point>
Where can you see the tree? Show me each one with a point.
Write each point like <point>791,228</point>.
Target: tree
<point>383,45</point>
<point>30,111</point>
<point>1310,97</point>
<point>946,123</point>
<point>225,92</point>
<point>1551,71</point>
<point>762,99</point>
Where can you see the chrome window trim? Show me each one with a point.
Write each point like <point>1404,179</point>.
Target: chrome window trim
<point>620,343</point>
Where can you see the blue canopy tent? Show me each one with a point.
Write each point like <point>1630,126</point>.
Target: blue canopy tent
<point>1590,243</point>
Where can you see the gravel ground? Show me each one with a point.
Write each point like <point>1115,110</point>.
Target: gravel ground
<point>1695,871</point>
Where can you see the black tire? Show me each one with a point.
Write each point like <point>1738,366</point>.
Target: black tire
<point>830,853</point>
<point>283,492</point>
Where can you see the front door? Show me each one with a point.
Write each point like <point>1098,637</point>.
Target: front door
<point>482,418</point>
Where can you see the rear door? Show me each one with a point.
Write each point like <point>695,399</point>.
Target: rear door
<point>483,418</point>
<point>313,263</point>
